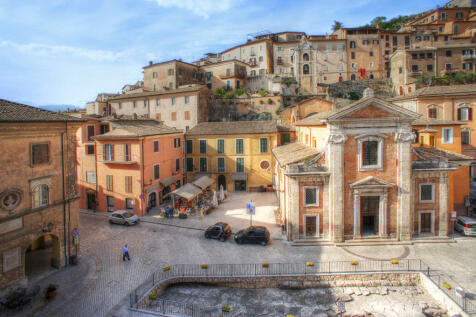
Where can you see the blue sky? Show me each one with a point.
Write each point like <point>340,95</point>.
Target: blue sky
<point>68,51</point>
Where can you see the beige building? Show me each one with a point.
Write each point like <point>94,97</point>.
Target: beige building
<point>229,74</point>
<point>408,65</point>
<point>170,75</point>
<point>181,108</point>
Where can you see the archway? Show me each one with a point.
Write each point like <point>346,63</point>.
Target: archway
<point>222,181</point>
<point>152,200</point>
<point>42,255</point>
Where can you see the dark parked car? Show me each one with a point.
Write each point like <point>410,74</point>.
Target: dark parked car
<point>253,234</point>
<point>220,231</point>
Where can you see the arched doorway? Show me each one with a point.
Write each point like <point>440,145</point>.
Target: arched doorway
<point>222,181</point>
<point>42,255</point>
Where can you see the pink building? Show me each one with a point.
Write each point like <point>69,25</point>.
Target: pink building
<point>136,163</point>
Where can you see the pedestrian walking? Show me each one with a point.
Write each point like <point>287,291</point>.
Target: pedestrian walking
<point>125,253</point>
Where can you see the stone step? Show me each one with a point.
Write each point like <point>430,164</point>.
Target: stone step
<point>311,242</point>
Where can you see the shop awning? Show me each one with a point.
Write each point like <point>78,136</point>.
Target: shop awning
<point>168,181</point>
<point>239,176</point>
<point>203,182</point>
<point>187,191</point>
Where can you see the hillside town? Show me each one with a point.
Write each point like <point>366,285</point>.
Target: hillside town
<point>354,149</point>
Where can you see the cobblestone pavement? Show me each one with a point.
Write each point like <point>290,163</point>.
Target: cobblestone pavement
<point>153,245</point>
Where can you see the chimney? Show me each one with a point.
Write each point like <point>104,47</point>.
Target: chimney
<point>150,63</point>
<point>134,115</point>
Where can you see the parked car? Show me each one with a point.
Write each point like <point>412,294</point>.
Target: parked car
<point>123,217</point>
<point>466,225</point>
<point>253,234</point>
<point>220,231</point>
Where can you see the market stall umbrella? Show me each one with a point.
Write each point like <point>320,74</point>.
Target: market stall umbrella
<point>203,182</point>
<point>187,191</point>
<point>168,181</point>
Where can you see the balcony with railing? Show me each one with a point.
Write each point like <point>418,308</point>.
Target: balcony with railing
<point>415,72</point>
<point>448,70</point>
<point>468,56</point>
<point>219,170</point>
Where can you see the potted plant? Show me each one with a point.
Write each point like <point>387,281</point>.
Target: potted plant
<point>225,308</point>
<point>51,291</point>
<point>183,215</point>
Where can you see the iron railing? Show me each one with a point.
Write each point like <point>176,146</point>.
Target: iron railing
<point>282,269</point>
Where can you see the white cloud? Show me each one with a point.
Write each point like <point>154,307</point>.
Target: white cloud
<point>57,50</point>
<point>201,8</point>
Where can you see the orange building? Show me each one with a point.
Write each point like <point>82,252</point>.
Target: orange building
<point>132,166</point>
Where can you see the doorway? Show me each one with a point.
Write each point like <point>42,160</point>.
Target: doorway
<point>91,199</point>
<point>165,191</point>
<point>110,203</point>
<point>222,181</point>
<point>369,209</point>
<point>240,186</point>
<point>152,200</point>
<point>426,222</point>
<point>311,226</point>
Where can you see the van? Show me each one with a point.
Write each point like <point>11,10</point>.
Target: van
<point>466,225</point>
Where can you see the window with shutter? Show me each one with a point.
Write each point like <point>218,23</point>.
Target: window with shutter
<point>203,164</point>
<point>427,192</point>
<point>156,171</point>
<point>369,153</point>
<point>189,146</point>
<point>108,152</point>
<point>310,196</point>
<point>127,152</point>
<point>240,164</point>
<point>109,184</point>
<point>189,164</point>
<point>39,153</point>
<point>128,183</point>
<point>40,196</point>
<point>156,146</point>
<point>264,145</point>
<point>239,145</point>
<point>432,113</point>
<point>90,132</point>
<point>203,146</point>
<point>177,165</point>
<point>221,146</point>
<point>90,149</point>
<point>465,135</point>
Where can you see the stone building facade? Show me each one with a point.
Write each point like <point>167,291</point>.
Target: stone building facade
<point>353,174</point>
<point>39,215</point>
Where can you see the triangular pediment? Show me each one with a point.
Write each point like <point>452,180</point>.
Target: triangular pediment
<point>373,108</point>
<point>371,181</point>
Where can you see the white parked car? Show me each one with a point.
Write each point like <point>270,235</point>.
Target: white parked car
<point>123,217</point>
<point>466,225</point>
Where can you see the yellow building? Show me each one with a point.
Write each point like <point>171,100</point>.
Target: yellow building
<point>236,154</point>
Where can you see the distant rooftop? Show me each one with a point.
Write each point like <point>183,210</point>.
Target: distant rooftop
<point>436,91</point>
<point>123,129</point>
<point>16,112</point>
<point>233,127</point>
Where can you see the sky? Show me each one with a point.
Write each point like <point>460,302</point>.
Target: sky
<point>68,51</point>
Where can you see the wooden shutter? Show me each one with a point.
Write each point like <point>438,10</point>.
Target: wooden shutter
<point>109,182</point>
<point>470,114</point>
<point>459,114</point>
<point>128,184</point>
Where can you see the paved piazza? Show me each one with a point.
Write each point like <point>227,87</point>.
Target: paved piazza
<point>102,281</point>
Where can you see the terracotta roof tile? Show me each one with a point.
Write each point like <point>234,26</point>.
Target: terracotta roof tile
<point>293,152</point>
<point>16,112</point>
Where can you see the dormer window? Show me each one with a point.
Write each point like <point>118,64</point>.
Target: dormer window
<point>432,113</point>
<point>370,151</point>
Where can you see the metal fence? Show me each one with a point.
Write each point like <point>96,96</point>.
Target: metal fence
<point>281,269</point>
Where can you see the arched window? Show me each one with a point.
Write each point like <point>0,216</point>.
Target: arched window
<point>305,57</point>
<point>371,76</point>
<point>305,69</point>
<point>40,196</point>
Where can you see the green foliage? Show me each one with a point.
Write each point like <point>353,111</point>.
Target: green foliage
<point>240,91</point>
<point>393,24</point>
<point>261,102</point>
<point>288,81</point>
<point>337,25</point>
<point>270,101</point>
<point>229,95</point>
<point>262,92</point>
<point>448,79</point>
<point>354,95</point>
<point>220,92</point>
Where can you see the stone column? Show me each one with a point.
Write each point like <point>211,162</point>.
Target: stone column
<point>357,234</point>
<point>382,230</point>
<point>336,186</point>
<point>443,204</point>
<point>403,142</point>
<point>325,210</point>
<point>293,198</point>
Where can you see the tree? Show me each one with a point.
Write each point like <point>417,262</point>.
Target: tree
<point>337,25</point>
<point>377,22</point>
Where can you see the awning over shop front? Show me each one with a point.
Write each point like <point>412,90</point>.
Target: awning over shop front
<point>239,176</point>
<point>187,191</point>
<point>168,181</point>
<point>203,182</point>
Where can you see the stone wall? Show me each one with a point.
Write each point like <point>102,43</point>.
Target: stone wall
<point>291,282</point>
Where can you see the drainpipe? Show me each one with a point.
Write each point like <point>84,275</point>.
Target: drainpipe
<point>142,173</point>
<point>64,207</point>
